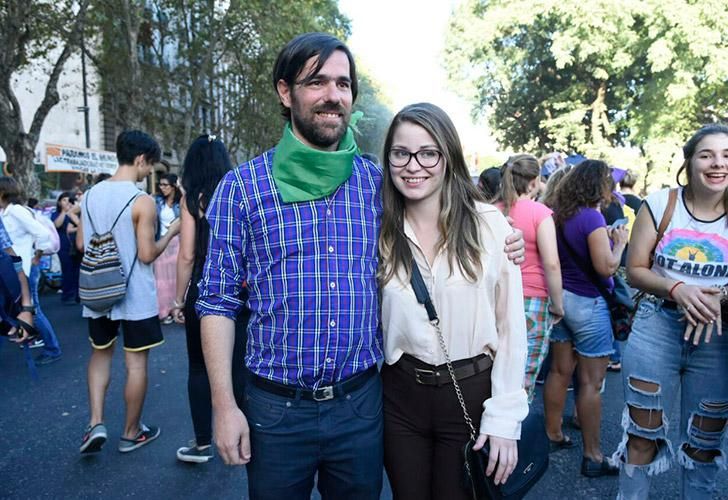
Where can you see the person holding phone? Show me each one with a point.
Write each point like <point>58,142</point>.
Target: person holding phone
<point>165,267</point>
<point>588,250</point>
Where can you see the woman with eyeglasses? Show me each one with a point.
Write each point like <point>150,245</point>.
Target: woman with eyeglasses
<point>434,219</point>
<point>165,267</point>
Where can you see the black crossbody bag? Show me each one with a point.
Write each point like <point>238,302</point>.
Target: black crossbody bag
<point>533,447</point>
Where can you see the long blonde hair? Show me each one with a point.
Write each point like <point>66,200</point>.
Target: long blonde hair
<point>458,220</point>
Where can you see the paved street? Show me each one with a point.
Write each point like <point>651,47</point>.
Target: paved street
<point>43,421</point>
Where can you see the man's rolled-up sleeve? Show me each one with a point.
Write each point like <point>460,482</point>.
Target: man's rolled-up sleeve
<point>224,269</point>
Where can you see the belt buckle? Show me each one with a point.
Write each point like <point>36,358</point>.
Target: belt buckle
<point>323,393</point>
<point>419,372</point>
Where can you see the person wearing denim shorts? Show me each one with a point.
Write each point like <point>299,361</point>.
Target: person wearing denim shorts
<point>583,338</point>
<point>675,346</point>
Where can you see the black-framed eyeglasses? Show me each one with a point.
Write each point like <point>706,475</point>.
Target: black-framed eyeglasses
<point>164,184</point>
<point>426,158</point>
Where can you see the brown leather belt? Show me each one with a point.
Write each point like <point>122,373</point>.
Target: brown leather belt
<point>427,374</point>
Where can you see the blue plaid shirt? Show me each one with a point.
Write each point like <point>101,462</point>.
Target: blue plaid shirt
<point>5,241</point>
<point>310,268</point>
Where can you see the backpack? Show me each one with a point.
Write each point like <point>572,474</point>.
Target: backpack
<point>51,244</point>
<point>102,281</point>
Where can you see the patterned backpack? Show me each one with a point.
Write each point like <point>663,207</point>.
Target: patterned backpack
<point>102,281</point>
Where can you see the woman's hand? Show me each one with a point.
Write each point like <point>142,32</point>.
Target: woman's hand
<point>177,311</point>
<point>515,245</point>
<point>707,304</point>
<point>557,313</point>
<point>503,453</point>
<point>700,304</point>
<point>619,235</point>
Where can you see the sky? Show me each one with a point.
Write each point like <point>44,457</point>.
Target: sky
<point>401,44</point>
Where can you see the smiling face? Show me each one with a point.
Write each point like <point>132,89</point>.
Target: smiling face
<point>320,104</point>
<point>416,183</point>
<point>708,171</point>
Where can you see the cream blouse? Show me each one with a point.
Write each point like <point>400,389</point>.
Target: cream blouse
<point>467,320</point>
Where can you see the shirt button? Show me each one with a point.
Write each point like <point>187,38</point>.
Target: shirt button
<point>328,212</point>
<point>329,360</point>
<point>331,249</point>
<point>333,323</point>
<point>332,284</point>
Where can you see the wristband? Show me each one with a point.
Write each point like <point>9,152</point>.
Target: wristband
<point>669,294</point>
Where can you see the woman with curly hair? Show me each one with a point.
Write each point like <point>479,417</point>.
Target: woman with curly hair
<point>588,251</point>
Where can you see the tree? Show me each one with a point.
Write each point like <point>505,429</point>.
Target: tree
<point>178,68</point>
<point>41,33</point>
<point>591,77</point>
<point>377,114</point>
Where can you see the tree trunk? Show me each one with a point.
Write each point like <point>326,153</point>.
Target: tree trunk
<point>21,165</point>
<point>599,116</point>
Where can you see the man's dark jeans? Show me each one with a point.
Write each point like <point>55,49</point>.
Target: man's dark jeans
<point>293,439</point>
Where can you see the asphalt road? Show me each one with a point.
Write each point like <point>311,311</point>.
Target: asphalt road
<point>42,422</point>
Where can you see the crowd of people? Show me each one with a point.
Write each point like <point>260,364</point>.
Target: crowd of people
<point>294,276</point>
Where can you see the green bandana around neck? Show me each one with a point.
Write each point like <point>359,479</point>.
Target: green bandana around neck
<point>302,173</point>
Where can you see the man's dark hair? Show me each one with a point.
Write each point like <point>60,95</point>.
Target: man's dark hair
<point>292,59</point>
<point>132,143</point>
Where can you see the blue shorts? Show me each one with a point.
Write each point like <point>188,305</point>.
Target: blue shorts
<point>586,324</point>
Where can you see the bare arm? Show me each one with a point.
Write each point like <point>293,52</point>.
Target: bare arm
<point>549,252</point>
<point>232,434</point>
<point>185,257</point>
<point>698,302</point>
<point>144,216</point>
<point>604,258</point>
<point>58,221</point>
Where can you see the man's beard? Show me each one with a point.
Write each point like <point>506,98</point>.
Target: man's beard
<point>321,136</point>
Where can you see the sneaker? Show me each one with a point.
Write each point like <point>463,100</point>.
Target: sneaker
<point>168,320</point>
<point>45,359</point>
<point>195,454</point>
<point>93,439</point>
<point>34,344</point>
<point>145,435</point>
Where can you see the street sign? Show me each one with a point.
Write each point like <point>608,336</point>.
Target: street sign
<point>73,159</point>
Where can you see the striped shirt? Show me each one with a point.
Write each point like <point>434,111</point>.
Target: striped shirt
<point>310,268</point>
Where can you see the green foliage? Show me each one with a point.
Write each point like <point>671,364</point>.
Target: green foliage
<point>176,70</point>
<point>592,77</point>
<point>377,115</point>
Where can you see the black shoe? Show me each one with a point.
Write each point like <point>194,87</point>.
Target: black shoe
<point>606,467</point>
<point>564,444</point>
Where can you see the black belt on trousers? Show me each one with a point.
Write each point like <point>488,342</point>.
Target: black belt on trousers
<point>427,374</point>
<point>322,393</point>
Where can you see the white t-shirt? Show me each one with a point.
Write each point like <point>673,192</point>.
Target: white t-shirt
<point>691,250</point>
<point>25,232</point>
<point>166,216</point>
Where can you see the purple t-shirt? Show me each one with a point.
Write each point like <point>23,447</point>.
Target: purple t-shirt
<point>576,230</point>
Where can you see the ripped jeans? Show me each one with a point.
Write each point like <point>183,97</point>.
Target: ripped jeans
<point>658,365</point>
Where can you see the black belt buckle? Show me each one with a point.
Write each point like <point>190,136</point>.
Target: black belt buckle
<point>323,393</point>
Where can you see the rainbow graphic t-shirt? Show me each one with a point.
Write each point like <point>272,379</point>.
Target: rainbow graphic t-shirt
<point>691,250</point>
